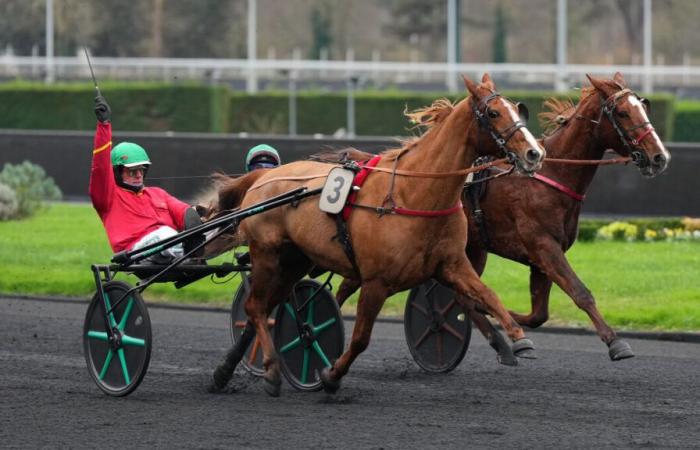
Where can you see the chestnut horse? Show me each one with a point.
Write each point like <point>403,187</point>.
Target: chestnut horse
<point>534,223</point>
<point>392,252</point>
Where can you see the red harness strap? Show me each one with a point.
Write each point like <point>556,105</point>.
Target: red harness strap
<point>558,186</point>
<point>358,181</point>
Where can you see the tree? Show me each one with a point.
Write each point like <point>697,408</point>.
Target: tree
<point>500,35</point>
<point>321,29</point>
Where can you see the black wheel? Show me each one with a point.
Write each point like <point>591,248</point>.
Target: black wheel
<point>437,329</point>
<point>117,366</point>
<point>321,340</point>
<point>252,359</point>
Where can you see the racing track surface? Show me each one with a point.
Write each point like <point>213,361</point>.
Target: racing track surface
<point>572,396</point>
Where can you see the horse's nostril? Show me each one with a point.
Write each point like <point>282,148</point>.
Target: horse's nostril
<point>532,155</point>
<point>659,159</point>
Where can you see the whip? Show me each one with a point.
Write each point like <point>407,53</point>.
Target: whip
<point>97,89</point>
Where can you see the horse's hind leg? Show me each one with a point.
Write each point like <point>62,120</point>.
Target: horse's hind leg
<point>271,285</point>
<point>223,373</point>
<point>553,263</point>
<point>372,298</point>
<point>460,275</point>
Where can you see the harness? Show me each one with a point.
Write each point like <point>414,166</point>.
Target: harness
<point>362,170</point>
<point>476,190</point>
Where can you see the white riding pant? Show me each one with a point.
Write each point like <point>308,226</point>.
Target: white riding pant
<point>157,235</point>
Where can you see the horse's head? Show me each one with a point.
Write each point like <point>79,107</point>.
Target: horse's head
<point>504,123</point>
<point>628,125</point>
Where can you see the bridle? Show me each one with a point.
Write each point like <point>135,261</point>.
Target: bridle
<point>632,145</point>
<point>501,137</point>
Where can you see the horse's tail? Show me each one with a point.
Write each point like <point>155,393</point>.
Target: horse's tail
<point>230,195</point>
<point>232,190</point>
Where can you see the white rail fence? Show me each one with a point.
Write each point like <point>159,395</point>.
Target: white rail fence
<point>376,72</point>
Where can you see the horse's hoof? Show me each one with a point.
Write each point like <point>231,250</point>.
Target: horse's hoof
<point>214,388</point>
<point>619,349</point>
<point>219,380</point>
<point>507,359</point>
<point>524,348</point>
<point>330,385</point>
<point>272,385</point>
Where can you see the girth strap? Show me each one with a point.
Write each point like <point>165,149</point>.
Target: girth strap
<point>343,237</point>
<point>474,191</point>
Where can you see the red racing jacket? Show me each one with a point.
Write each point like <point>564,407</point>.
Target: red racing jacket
<point>128,216</point>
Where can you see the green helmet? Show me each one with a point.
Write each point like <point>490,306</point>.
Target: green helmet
<point>262,156</point>
<point>128,154</point>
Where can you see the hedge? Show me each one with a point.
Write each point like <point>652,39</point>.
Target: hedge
<point>199,108</point>
<point>687,121</point>
<point>381,113</point>
<point>135,106</point>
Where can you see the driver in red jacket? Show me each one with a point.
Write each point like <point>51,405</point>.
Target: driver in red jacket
<point>133,215</point>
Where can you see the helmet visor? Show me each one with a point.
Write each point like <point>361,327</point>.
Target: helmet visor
<point>261,165</point>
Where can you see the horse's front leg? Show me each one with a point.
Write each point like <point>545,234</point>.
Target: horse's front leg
<point>461,277</point>
<point>553,263</point>
<point>478,255</point>
<point>540,286</point>
<point>372,298</point>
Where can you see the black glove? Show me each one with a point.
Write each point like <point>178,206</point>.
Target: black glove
<point>102,109</point>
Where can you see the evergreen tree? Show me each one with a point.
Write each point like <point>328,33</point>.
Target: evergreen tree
<point>321,30</point>
<point>500,36</point>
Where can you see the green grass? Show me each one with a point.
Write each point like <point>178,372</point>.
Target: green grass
<point>651,286</point>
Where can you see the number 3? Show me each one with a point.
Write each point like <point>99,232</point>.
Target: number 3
<point>340,181</point>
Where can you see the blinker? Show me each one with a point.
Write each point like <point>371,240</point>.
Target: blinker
<point>523,111</point>
<point>646,103</point>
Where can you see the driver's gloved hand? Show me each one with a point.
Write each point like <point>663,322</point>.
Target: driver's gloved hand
<point>193,220</point>
<point>102,110</point>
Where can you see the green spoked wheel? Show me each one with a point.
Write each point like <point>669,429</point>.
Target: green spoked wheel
<point>437,329</point>
<point>309,334</point>
<point>117,365</point>
<point>252,359</point>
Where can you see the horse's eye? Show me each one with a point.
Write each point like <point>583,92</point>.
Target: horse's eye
<point>493,114</point>
<point>623,114</point>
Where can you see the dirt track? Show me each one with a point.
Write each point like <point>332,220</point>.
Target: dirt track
<point>572,396</point>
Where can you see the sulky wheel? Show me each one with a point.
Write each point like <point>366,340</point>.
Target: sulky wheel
<point>437,328</point>
<point>117,366</point>
<point>309,334</point>
<point>252,359</point>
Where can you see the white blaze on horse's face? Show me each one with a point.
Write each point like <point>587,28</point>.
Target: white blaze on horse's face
<point>535,154</point>
<point>659,160</point>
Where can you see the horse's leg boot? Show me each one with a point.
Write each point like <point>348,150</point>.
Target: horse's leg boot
<point>619,349</point>
<point>272,383</point>
<point>505,353</point>
<point>330,385</point>
<point>524,348</point>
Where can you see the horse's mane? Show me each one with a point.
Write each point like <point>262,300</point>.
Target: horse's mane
<point>427,118</point>
<point>560,111</point>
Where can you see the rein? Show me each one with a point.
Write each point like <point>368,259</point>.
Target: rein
<point>590,162</point>
<point>579,162</point>
<point>454,173</point>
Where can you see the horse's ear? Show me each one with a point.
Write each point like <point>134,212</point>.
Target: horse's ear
<point>619,79</point>
<point>471,86</point>
<point>486,80</point>
<point>598,84</point>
